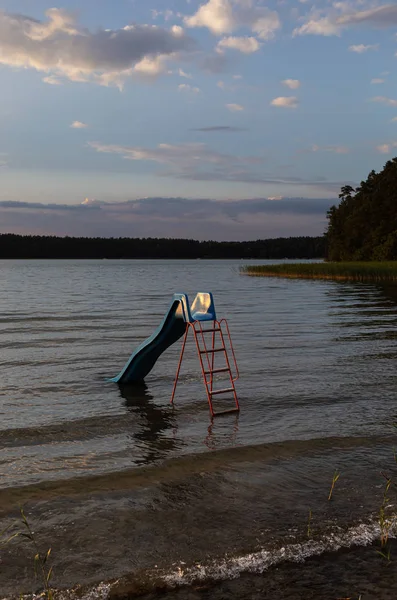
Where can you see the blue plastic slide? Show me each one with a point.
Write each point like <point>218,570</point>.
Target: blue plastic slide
<point>170,331</point>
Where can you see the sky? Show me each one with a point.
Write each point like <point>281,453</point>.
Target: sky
<point>221,119</point>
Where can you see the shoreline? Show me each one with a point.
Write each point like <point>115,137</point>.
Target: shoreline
<point>378,272</point>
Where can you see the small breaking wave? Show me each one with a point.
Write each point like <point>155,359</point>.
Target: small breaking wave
<point>227,568</point>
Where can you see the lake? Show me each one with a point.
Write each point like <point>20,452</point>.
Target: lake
<point>132,493</point>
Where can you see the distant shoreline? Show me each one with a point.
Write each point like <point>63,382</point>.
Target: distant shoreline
<point>340,271</point>
<point>25,247</point>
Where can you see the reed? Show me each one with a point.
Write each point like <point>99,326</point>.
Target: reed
<point>309,524</point>
<point>385,523</point>
<point>335,478</point>
<point>41,567</point>
<point>350,271</point>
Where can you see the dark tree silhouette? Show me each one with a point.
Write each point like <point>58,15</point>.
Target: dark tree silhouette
<point>364,224</point>
<point>18,246</point>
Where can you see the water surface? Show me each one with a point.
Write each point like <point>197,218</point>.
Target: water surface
<point>102,467</point>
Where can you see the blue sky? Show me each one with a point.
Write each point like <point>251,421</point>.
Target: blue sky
<point>119,100</point>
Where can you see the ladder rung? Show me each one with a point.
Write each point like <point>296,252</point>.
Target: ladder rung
<point>226,412</point>
<point>224,391</point>
<point>209,330</point>
<point>226,370</point>
<point>214,350</point>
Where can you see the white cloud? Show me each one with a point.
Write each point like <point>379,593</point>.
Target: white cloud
<point>247,45</point>
<point>78,125</point>
<point>51,80</point>
<point>360,48</point>
<point>380,16</point>
<point>386,148</point>
<point>216,15</point>
<point>383,100</point>
<point>223,16</point>
<point>237,76</point>
<point>335,149</point>
<point>266,26</point>
<point>151,66</point>
<point>185,87</point>
<point>344,14</point>
<point>323,26</point>
<point>376,80</point>
<point>394,120</point>
<point>292,84</point>
<point>234,107</point>
<point>60,47</point>
<point>285,102</point>
<point>183,74</point>
<point>92,202</point>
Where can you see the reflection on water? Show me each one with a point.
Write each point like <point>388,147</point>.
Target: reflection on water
<point>222,432</point>
<point>156,436</point>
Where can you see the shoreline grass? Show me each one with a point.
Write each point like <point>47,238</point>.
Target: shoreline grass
<point>345,271</point>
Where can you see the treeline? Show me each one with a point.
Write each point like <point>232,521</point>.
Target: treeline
<point>363,227</point>
<point>28,246</point>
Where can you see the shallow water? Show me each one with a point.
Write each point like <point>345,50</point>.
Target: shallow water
<point>121,484</point>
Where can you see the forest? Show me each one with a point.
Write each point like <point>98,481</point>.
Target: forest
<point>363,227</point>
<point>28,246</point>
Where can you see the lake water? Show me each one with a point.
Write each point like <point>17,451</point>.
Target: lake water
<point>134,493</point>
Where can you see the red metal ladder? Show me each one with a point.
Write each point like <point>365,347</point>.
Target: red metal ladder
<point>206,353</point>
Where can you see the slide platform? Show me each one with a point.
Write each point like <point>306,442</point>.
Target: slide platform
<point>172,328</point>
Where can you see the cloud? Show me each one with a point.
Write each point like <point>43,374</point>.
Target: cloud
<point>247,45</point>
<point>151,66</point>
<point>202,218</point>
<point>234,107</point>
<point>285,102</point>
<point>63,49</point>
<point>377,81</point>
<point>220,128</point>
<point>394,120</point>
<point>182,158</point>
<point>323,26</point>
<point>292,84</point>
<point>166,14</point>
<point>343,14</point>
<point>335,149</point>
<point>183,74</point>
<point>224,17</point>
<point>380,16</point>
<point>92,202</point>
<point>185,87</point>
<point>383,100</point>
<point>78,125</point>
<point>198,162</point>
<point>360,48</point>
<point>52,80</point>
<point>386,148</point>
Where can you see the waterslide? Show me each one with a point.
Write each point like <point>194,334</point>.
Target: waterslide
<point>172,328</point>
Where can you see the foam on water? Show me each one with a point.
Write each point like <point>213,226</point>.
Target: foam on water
<point>232,567</point>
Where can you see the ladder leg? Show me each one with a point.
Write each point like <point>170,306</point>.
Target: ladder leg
<point>209,396</point>
<point>179,364</point>
<point>230,372</point>
<point>213,355</point>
